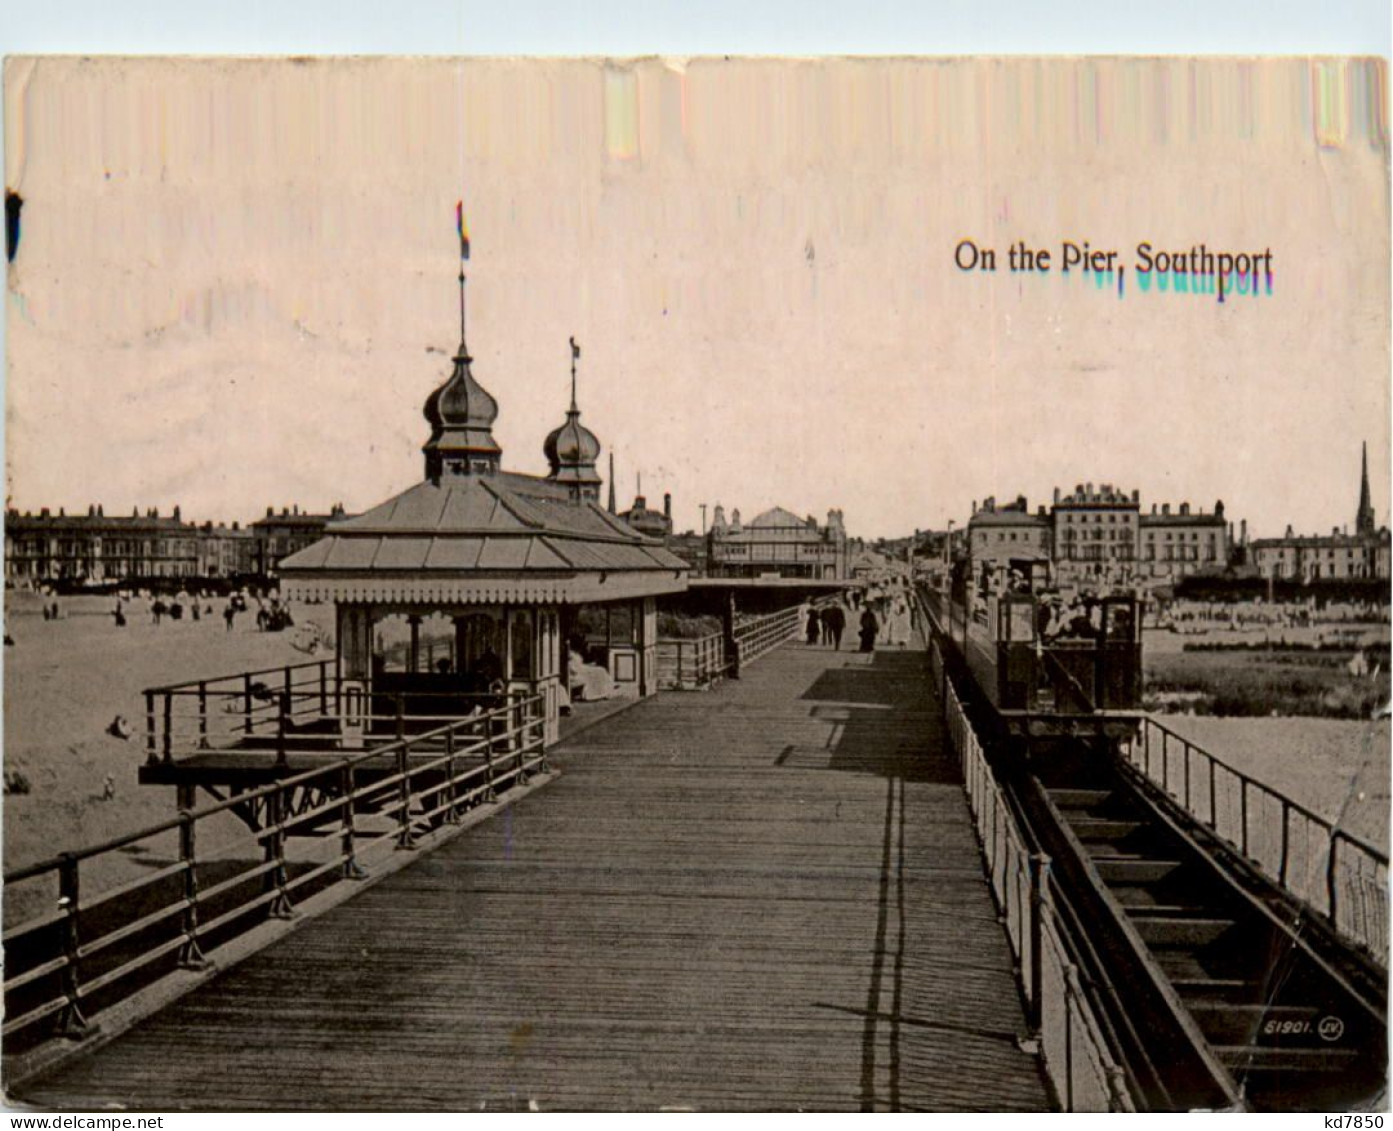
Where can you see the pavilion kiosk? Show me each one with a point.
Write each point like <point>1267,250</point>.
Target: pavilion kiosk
<point>506,558</point>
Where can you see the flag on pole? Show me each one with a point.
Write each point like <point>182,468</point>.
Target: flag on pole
<point>462,225</point>
<point>575,350</point>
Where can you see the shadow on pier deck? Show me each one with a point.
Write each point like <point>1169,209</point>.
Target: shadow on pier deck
<point>765,896</point>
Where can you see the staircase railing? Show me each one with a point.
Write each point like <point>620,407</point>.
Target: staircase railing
<point>1341,878</point>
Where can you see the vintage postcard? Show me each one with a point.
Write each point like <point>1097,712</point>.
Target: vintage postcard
<point>696,584</point>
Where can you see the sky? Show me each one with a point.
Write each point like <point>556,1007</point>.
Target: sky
<point>235,284</point>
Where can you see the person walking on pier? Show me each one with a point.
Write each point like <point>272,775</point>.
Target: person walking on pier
<point>814,627</point>
<point>869,627</point>
<point>834,623</point>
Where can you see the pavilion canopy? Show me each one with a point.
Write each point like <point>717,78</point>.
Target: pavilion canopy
<point>471,539</point>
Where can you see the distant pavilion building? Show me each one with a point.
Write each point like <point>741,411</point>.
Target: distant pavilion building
<point>505,559</point>
<point>778,543</point>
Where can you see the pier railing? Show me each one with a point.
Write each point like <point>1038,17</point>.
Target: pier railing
<point>1340,878</point>
<point>97,941</point>
<point>298,708</point>
<point>691,663</point>
<point>759,635</point>
<point>700,661</point>
<point>1084,1073</point>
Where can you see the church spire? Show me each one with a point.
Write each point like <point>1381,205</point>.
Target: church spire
<point>613,506</point>
<point>1364,520</point>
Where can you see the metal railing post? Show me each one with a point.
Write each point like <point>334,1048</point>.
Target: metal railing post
<point>488,758</point>
<point>1286,842</point>
<point>71,1023</point>
<point>282,721</point>
<point>276,807</point>
<point>190,954</point>
<point>405,837</point>
<point>1243,811</point>
<point>323,688</point>
<point>352,870</point>
<point>247,703</point>
<point>1186,752</point>
<point>1213,796</point>
<point>1071,987</point>
<point>1331,882</point>
<point>1039,908</point>
<point>152,758</point>
<point>202,714</point>
<point>168,745</point>
<point>452,813</point>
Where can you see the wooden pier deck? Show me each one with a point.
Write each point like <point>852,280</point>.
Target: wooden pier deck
<point>766,896</point>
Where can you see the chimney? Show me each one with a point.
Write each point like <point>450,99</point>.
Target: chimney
<point>1243,532</point>
<point>91,511</point>
<point>974,506</point>
<point>43,513</point>
<point>1165,508</point>
<point>1136,496</point>
<point>1185,508</point>
<point>176,512</point>
<point>1089,488</point>
<point>270,512</point>
<point>1153,508</point>
<point>667,505</point>
<point>1289,533</point>
<point>1021,503</point>
<point>100,513</point>
<point>1040,510</point>
<point>1056,496</point>
<point>1219,507</point>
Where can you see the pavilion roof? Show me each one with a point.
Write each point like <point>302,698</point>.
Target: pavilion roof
<point>501,537</point>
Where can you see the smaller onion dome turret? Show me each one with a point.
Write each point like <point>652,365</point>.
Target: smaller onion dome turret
<point>572,449</point>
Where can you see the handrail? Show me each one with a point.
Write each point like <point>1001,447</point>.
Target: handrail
<point>1361,871</point>
<point>192,685</point>
<point>56,965</point>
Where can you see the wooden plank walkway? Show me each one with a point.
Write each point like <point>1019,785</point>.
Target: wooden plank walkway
<point>764,896</point>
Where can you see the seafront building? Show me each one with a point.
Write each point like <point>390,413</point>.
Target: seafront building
<point>100,549</point>
<point>1103,536</point>
<point>1097,536</point>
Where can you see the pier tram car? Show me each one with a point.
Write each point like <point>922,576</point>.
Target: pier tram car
<point>1231,944</point>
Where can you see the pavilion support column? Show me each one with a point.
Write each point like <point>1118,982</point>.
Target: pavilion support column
<point>413,656</point>
<point>355,672</point>
<point>461,642</point>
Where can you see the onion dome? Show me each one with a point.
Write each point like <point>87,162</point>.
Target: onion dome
<point>572,449</point>
<point>461,413</point>
<point>572,445</point>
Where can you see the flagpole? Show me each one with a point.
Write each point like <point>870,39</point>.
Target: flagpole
<point>463,350</point>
